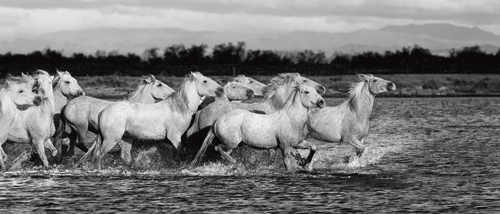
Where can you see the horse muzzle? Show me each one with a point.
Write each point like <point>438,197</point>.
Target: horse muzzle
<point>219,91</point>
<point>79,93</point>
<point>250,93</point>
<point>37,101</point>
<point>391,86</point>
<point>321,103</point>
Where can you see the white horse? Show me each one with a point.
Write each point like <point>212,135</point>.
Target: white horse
<point>283,129</point>
<point>233,91</point>
<point>349,121</point>
<point>16,96</point>
<point>280,88</point>
<point>167,119</point>
<point>35,124</point>
<point>65,88</point>
<point>258,87</point>
<point>81,114</point>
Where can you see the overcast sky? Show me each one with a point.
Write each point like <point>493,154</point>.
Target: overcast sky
<point>30,18</point>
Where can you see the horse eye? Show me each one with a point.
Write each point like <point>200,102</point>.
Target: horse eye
<point>159,85</point>
<point>307,92</point>
<point>67,82</point>
<point>375,80</point>
<point>251,81</point>
<point>233,86</point>
<point>304,81</point>
<point>205,81</point>
<point>21,91</point>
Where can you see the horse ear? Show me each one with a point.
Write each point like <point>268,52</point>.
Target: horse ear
<point>221,81</point>
<point>152,77</point>
<point>146,80</point>
<point>362,77</point>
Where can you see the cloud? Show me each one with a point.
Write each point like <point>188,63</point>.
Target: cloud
<point>19,18</point>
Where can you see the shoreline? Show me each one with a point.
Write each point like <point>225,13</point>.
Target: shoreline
<point>120,97</point>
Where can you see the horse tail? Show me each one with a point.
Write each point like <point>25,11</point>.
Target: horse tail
<point>90,151</point>
<point>208,140</point>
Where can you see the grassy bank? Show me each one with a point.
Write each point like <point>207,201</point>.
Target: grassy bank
<point>408,85</point>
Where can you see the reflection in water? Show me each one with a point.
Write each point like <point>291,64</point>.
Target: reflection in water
<point>456,168</point>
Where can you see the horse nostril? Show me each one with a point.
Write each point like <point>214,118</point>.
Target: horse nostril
<point>80,93</point>
<point>391,86</point>
<point>219,91</point>
<point>320,103</point>
<point>37,101</point>
<point>250,93</point>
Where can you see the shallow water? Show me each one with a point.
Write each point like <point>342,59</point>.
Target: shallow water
<point>451,165</point>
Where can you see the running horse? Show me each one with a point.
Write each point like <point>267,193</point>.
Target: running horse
<point>349,121</point>
<point>81,114</point>
<point>34,124</point>
<point>283,129</point>
<point>280,88</point>
<point>167,119</point>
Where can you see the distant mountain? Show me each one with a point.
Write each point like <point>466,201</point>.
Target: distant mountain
<point>444,31</point>
<point>439,38</point>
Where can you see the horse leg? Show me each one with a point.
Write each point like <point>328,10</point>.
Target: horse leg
<point>305,162</point>
<point>80,143</point>
<point>287,158</point>
<point>126,145</point>
<point>3,158</point>
<point>40,148</point>
<point>226,155</point>
<point>360,148</point>
<point>48,145</point>
<point>102,148</point>
<point>68,145</point>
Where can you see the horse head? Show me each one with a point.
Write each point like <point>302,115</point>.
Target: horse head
<point>310,97</point>
<point>258,87</point>
<point>22,94</point>
<point>377,85</point>
<point>306,81</point>
<point>159,90</point>
<point>237,91</point>
<point>43,83</point>
<point>67,84</point>
<point>206,86</point>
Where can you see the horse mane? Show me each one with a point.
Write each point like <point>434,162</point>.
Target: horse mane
<point>291,99</point>
<point>355,91</point>
<point>178,100</point>
<point>17,80</point>
<point>56,81</point>
<point>277,82</point>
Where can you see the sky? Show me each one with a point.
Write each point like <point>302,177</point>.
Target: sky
<point>32,18</point>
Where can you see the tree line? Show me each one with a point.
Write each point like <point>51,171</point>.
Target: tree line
<point>233,59</point>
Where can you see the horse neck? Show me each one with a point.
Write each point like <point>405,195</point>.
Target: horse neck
<point>48,102</point>
<point>141,95</point>
<point>362,103</point>
<point>223,97</point>
<point>186,98</point>
<point>59,98</point>
<point>295,110</point>
<point>6,105</point>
